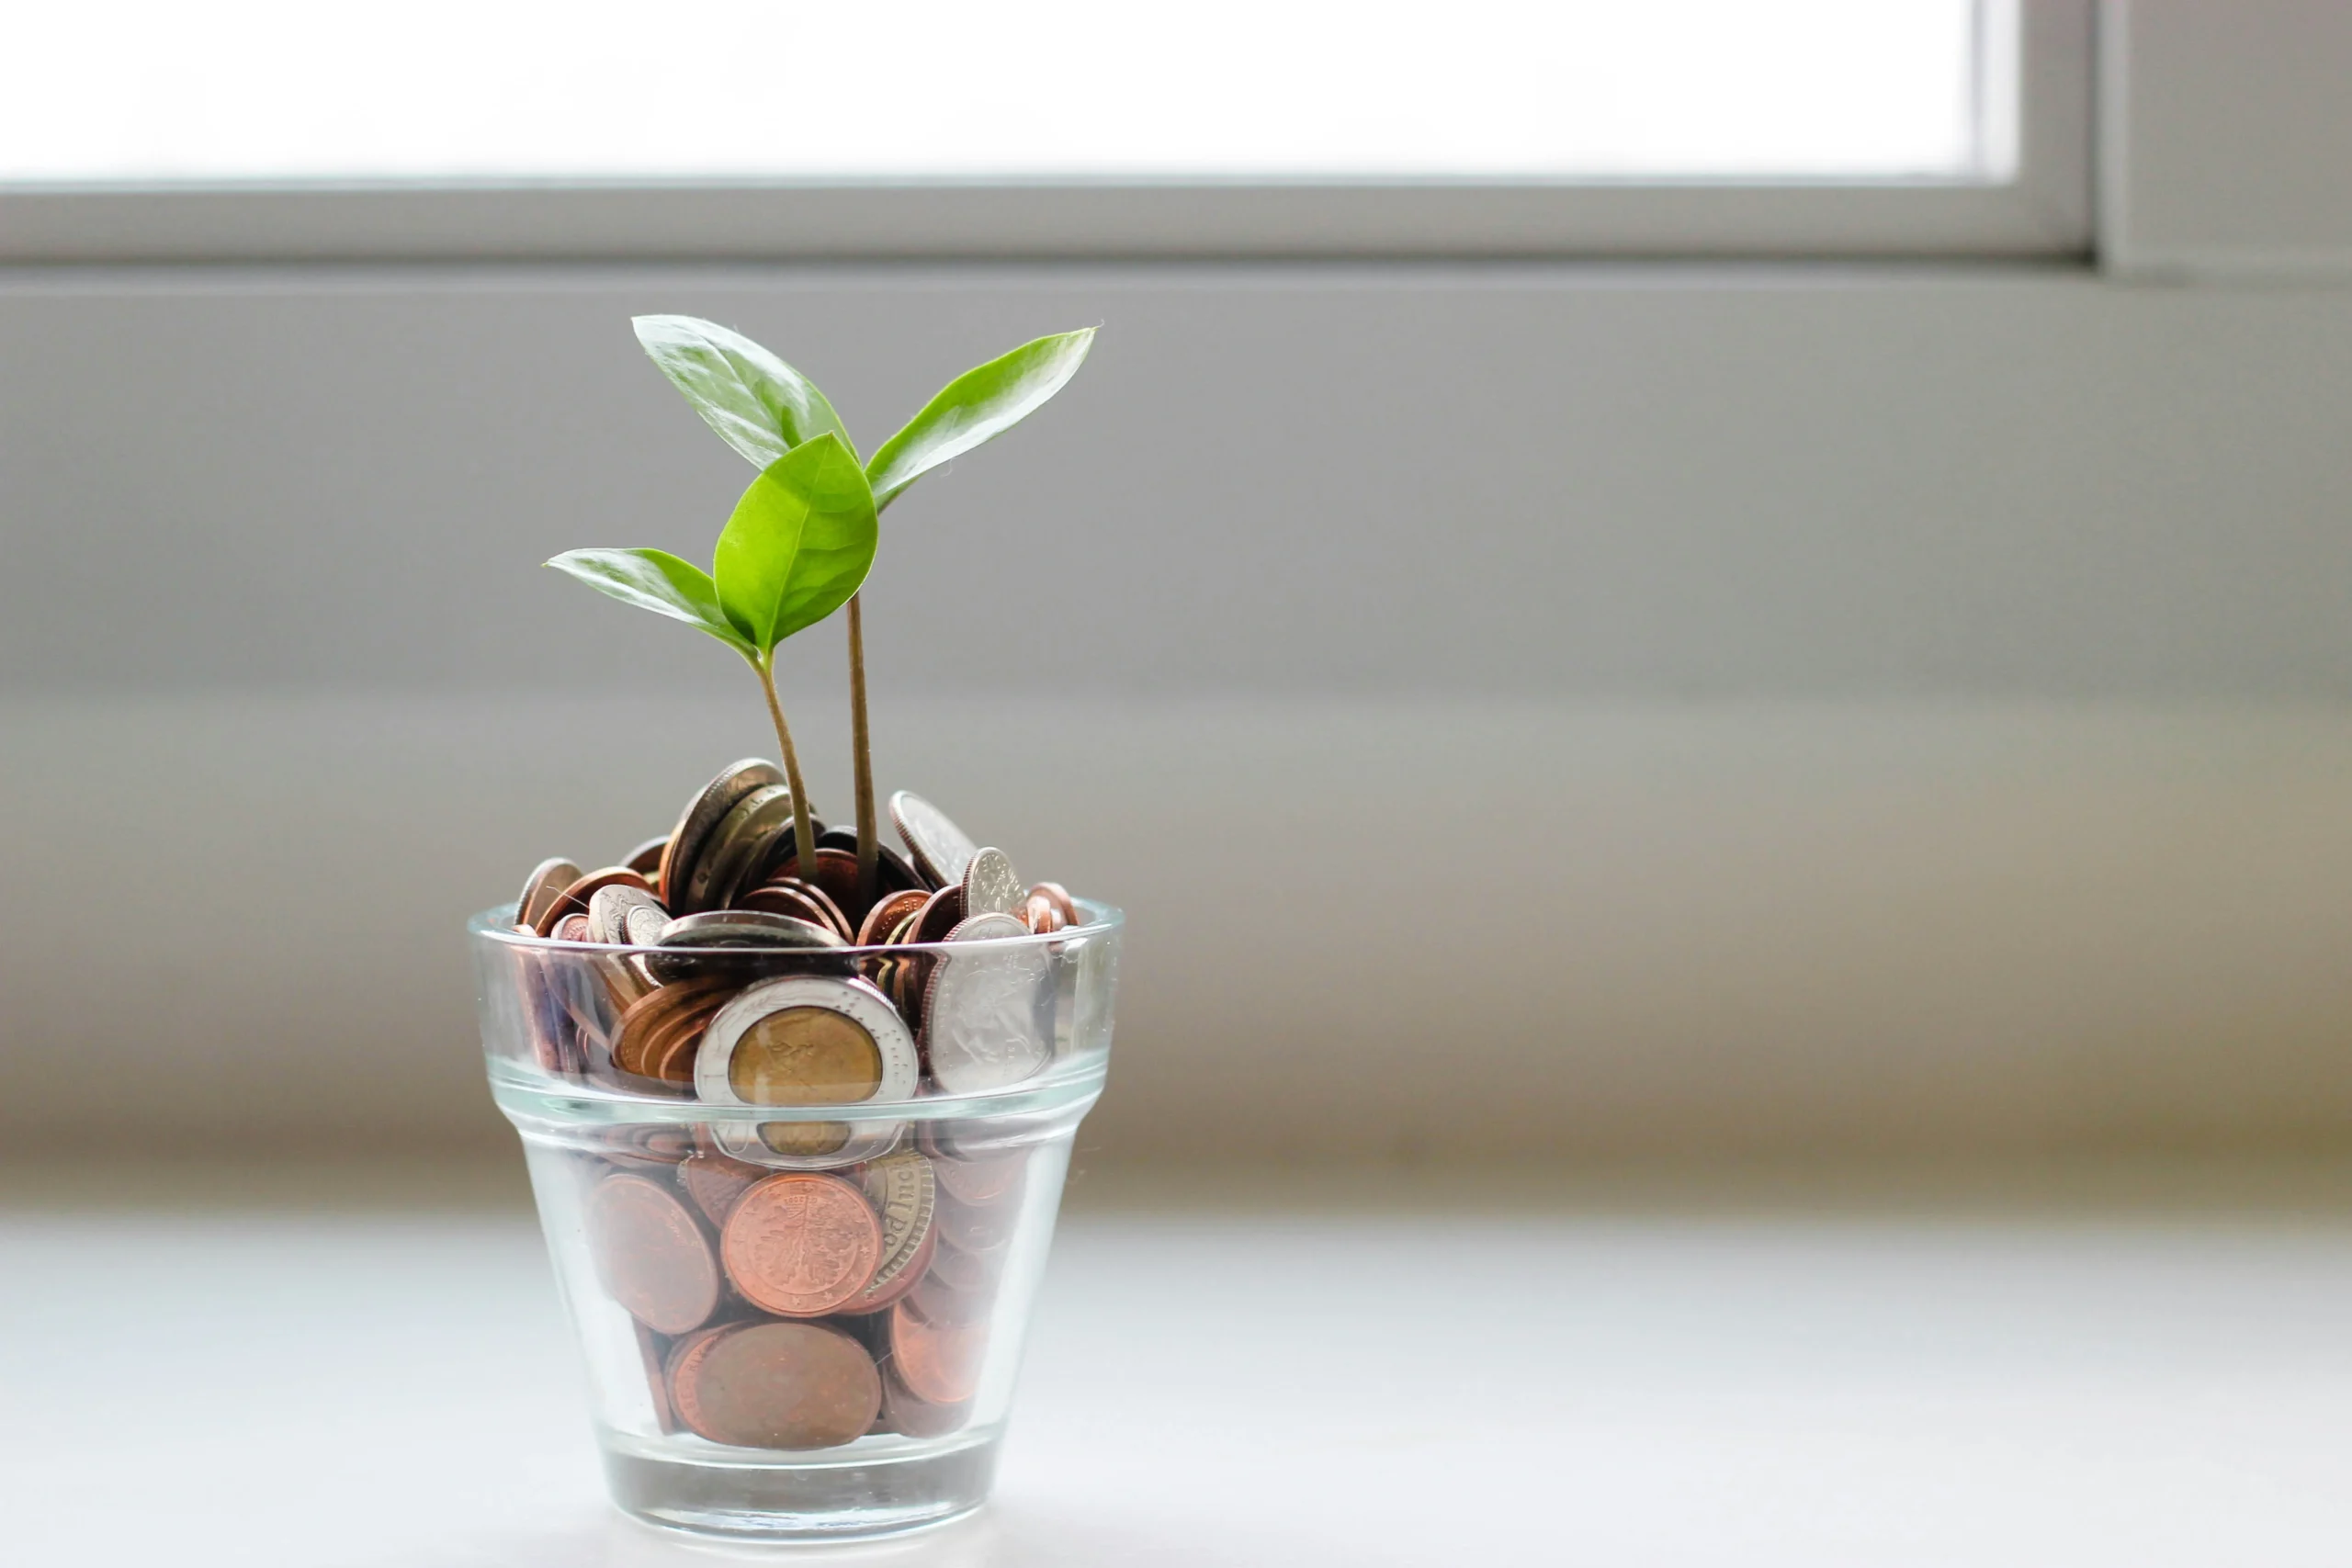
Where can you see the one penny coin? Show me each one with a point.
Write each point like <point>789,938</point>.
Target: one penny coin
<point>679,1370</point>
<point>1059,898</point>
<point>916,1418</point>
<point>939,1363</point>
<point>651,1255</point>
<point>654,1013</point>
<point>889,913</point>
<point>943,914</point>
<point>714,1181</point>
<point>986,1179</point>
<point>784,1385</point>
<point>800,901</point>
<point>542,888</point>
<point>800,1245</point>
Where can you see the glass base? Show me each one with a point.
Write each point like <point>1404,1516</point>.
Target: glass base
<point>765,1497</point>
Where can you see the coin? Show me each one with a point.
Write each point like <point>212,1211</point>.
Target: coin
<point>944,1304</point>
<point>969,1274</point>
<point>573,899</point>
<point>1060,898</point>
<point>982,1023</point>
<point>989,887</point>
<point>904,1195</point>
<point>645,859</point>
<point>987,1180</point>
<point>626,917</point>
<point>891,871</point>
<point>651,1255</point>
<point>916,1418</point>
<point>806,1039</point>
<point>656,1010</point>
<point>942,850</point>
<point>742,836</point>
<point>940,916</point>
<point>939,1364</point>
<point>714,1181</point>
<point>836,875</point>
<point>800,901</point>
<point>784,1385</point>
<point>542,888</point>
<point>1040,915</point>
<point>701,815</point>
<point>800,1245</point>
<point>977,1229</point>
<point>680,1369</point>
<point>892,910</point>
<point>731,929</point>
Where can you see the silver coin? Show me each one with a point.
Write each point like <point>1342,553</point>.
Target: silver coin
<point>943,852</point>
<point>989,885</point>
<point>987,1019</point>
<point>702,814</point>
<point>736,843</point>
<point>543,887</point>
<point>745,928</point>
<point>623,916</point>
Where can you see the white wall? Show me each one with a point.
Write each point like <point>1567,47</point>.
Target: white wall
<point>1859,710</point>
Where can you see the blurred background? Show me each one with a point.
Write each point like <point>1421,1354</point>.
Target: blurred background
<point>1710,642</point>
<point>1798,549</point>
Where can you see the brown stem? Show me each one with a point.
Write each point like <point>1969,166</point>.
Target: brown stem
<point>804,838</point>
<point>869,847</point>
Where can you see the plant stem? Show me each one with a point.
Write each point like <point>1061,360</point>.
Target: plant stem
<point>804,838</point>
<point>869,849</point>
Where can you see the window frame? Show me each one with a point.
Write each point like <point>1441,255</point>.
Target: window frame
<point>2044,209</point>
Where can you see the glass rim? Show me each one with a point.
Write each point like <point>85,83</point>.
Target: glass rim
<point>496,925</point>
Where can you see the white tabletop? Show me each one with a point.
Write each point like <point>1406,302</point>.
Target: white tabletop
<point>1629,1383</point>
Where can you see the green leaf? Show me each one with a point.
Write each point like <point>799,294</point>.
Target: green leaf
<point>800,542</point>
<point>979,405</point>
<point>756,402</point>
<point>655,581</point>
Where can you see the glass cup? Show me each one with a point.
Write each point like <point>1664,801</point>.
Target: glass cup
<point>798,1202</point>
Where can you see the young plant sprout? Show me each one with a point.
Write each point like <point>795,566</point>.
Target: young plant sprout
<point>767,411</point>
<point>799,542</point>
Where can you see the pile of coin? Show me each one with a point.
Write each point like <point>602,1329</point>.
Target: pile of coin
<point>805,1309</point>
<point>797,1283</point>
<point>727,894</point>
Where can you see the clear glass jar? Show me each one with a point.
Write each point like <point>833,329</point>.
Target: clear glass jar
<point>807,1325</point>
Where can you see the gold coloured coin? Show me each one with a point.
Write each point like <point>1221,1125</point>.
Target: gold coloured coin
<point>805,1056</point>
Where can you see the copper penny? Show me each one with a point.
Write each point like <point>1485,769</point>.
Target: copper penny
<point>680,1374</point>
<point>784,1385</point>
<point>657,1147</point>
<point>917,1418</point>
<point>651,1255</point>
<point>940,1364</point>
<point>542,888</point>
<point>969,1274</point>
<point>1040,915</point>
<point>571,928</point>
<point>801,1245</point>
<point>702,814</point>
<point>987,1180</point>
<point>977,1227</point>
<point>800,901</point>
<point>836,874</point>
<point>716,1181</point>
<point>936,1302</point>
<point>655,1011</point>
<point>573,899</point>
<point>889,913</point>
<point>1059,898</point>
<point>943,914</point>
<point>678,1045</point>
